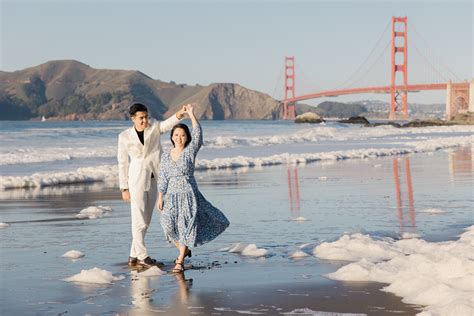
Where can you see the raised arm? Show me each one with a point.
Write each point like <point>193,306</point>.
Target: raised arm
<point>196,134</point>
<point>168,124</point>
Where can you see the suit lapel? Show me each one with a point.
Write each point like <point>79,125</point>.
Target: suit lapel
<point>133,135</point>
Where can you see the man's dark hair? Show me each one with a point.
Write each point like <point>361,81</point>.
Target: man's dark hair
<point>186,131</point>
<point>137,107</point>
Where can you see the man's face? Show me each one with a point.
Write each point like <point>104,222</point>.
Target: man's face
<point>140,121</point>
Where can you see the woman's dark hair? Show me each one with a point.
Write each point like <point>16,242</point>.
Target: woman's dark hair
<point>137,107</point>
<point>186,131</point>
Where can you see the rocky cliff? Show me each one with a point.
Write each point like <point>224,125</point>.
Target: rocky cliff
<point>68,89</point>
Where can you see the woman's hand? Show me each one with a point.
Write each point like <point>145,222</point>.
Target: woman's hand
<point>189,108</point>
<point>159,204</point>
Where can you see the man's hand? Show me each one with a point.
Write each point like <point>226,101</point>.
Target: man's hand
<point>180,113</point>
<point>126,195</point>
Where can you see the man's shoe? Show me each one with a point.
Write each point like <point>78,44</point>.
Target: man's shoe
<point>147,262</point>
<point>132,262</point>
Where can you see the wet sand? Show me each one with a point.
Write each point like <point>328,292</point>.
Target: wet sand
<point>334,198</point>
<point>191,298</point>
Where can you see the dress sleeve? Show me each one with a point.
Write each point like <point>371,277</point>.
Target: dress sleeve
<point>163,177</point>
<point>196,139</point>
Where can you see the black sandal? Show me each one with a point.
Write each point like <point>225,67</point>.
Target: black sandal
<point>176,270</point>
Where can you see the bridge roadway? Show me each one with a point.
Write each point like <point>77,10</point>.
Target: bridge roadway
<point>380,89</point>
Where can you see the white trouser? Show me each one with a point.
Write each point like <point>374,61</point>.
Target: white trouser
<point>142,204</point>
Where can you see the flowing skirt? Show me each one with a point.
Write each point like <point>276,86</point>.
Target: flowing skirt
<point>189,218</point>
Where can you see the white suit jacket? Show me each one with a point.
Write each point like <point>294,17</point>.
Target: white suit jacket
<point>135,173</point>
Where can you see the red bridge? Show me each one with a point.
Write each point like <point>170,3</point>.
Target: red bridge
<point>460,96</point>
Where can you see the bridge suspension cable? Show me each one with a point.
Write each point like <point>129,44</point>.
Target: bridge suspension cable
<point>369,70</point>
<point>278,85</point>
<point>352,78</point>
<point>429,48</point>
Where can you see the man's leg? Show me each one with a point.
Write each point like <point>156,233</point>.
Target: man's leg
<point>150,202</point>
<point>139,225</point>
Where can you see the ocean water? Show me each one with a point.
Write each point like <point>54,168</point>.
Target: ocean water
<point>286,188</point>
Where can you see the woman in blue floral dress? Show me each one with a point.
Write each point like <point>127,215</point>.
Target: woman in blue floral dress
<point>187,218</point>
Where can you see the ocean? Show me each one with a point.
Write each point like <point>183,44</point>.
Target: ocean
<point>311,207</point>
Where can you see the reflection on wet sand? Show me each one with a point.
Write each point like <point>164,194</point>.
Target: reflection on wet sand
<point>461,163</point>
<point>142,296</point>
<point>293,190</point>
<point>184,285</point>
<point>61,190</point>
<point>404,181</point>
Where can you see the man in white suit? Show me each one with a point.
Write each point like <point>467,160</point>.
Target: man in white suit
<point>139,153</point>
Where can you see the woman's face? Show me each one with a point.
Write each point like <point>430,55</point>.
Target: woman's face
<point>179,137</point>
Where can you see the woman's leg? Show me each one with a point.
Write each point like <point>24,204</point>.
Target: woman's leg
<point>180,260</point>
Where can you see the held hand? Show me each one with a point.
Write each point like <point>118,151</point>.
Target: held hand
<point>181,112</point>
<point>126,196</point>
<point>189,108</point>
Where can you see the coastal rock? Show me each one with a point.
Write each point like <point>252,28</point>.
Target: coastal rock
<point>308,117</point>
<point>355,120</point>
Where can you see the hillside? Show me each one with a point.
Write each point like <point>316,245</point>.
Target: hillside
<point>68,89</point>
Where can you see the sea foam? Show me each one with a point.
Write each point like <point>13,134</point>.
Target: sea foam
<point>94,212</point>
<point>109,173</point>
<point>94,275</point>
<point>438,275</point>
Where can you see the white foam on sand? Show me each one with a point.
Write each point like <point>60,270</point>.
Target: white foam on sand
<point>432,211</point>
<point>153,271</point>
<point>93,212</point>
<point>409,235</point>
<point>298,254</point>
<point>250,250</point>
<point>356,247</point>
<point>438,275</point>
<point>95,276</point>
<point>4,225</point>
<point>73,254</point>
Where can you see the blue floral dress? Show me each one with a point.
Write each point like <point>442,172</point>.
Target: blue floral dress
<point>187,216</point>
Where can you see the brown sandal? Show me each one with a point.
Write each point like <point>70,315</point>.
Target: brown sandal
<point>187,254</point>
<point>176,270</point>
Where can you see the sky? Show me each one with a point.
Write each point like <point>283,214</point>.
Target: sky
<point>336,44</point>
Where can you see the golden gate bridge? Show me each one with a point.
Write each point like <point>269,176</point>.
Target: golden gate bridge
<point>459,95</point>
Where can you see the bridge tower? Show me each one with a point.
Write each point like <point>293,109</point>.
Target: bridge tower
<point>399,32</point>
<point>459,98</point>
<point>289,107</point>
